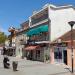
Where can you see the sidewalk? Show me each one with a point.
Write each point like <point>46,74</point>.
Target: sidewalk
<point>27,67</point>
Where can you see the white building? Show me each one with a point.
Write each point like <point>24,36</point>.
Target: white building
<point>59,17</point>
<point>55,19</point>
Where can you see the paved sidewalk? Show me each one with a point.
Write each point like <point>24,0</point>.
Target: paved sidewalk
<point>27,67</point>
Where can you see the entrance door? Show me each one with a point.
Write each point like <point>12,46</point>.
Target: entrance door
<point>31,55</point>
<point>58,55</point>
<point>65,56</point>
<point>38,54</point>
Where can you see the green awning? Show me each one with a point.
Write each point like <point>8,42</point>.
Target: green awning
<point>38,30</point>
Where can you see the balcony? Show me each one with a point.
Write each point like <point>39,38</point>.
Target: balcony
<point>42,18</point>
<point>37,30</point>
<point>40,37</point>
<point>23,42</point>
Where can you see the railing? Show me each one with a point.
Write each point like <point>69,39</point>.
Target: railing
<point>34,21</point>
<point>40,37</point>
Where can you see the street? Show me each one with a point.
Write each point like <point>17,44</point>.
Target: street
<point>27,67</point>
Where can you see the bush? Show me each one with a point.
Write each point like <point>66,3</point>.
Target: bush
<point>47,57</point>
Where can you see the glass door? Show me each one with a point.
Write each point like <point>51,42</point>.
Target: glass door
<point>58,55</point>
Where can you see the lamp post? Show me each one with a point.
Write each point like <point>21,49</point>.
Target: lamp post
<point>71,23</point>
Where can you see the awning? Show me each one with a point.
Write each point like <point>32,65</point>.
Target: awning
<point>31,47</point>
<point>37,30</point>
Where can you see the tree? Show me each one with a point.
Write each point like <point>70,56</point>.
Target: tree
<point>3,37</point>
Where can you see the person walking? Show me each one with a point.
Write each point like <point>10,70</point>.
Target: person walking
<point>6,62</point>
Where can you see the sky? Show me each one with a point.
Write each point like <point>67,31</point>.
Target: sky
<point>15,12</point>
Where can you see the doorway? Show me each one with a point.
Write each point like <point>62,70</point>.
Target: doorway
<point>65,56</point>
<point>58,55</point>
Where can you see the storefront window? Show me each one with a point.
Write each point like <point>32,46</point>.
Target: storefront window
<point>37,53</point>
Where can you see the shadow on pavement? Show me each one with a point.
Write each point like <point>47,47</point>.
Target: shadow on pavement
<point>69,72</point>
<point>68,69</point>
<point>60,73</point>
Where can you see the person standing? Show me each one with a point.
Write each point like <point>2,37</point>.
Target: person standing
<point>6,62</point>
<point>4,51</point>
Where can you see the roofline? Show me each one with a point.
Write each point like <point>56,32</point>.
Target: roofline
<point>38,11</point>
<point>62,7</point>
<point>54,8</point>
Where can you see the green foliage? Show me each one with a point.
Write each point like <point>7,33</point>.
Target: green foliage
<point>47,57</point>
<point>3,37</point>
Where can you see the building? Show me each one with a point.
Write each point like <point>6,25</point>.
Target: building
<point>61,52</point>
<point>21,39</point>
<point>12,37</point>
<point>44,27</point>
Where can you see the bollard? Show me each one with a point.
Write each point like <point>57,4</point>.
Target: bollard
<point>14,65</point>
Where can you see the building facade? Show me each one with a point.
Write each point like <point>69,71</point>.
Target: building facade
<point>12,37</point>
<point>21,39</point>
<point>61,52</point>
<point>42,28</point>
<point>55,20</point>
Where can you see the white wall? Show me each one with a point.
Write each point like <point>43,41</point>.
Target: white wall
<point>13,41</point>
<point>59,21</point>
<point>18,44</point>
<point>7,43</point>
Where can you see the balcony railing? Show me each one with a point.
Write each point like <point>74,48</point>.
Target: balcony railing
<point>43,36</point>
<point>34,21</point>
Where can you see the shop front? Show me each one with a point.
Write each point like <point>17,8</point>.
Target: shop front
<point>35,47</point>
<point>36,53</point>
<point>59,54</point>
<point>32,52</point>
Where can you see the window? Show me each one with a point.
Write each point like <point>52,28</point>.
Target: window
<point>37,53</point>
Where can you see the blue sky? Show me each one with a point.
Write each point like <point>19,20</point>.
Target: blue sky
<point>15,12</point>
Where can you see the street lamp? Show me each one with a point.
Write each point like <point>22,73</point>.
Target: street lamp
<point>71,23</point>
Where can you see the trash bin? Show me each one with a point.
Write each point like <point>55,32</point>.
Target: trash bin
<point>14,65</point>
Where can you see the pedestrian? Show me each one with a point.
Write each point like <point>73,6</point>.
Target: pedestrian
<point>6,62</point>
<point>28,55</point>
<point>4,51</point>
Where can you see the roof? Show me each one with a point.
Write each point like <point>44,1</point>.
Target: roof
<point>67,36</point>
<point>54,7</point>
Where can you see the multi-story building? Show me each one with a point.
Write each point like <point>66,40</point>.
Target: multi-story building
<point>12,37</point>
<point>45,26</point>
<point>21,39</point>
